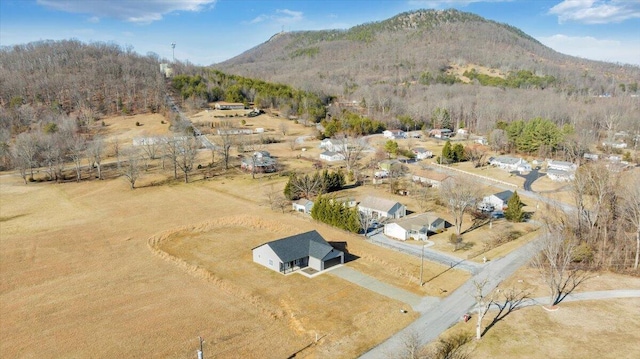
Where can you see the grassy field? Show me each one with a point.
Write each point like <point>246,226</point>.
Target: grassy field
<point>586,329</point>
<point>96,269</point>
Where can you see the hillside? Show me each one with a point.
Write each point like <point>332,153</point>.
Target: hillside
<point>407,65</point>
<point>400,49</point>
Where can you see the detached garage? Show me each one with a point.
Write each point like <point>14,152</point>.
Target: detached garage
<point>303,250</point>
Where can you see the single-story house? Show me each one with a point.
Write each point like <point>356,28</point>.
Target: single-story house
<point>382,208</point>
<point>428,177</point>
<point>415,226</point>
<point>259,164</point>
<point>463,132</point>
<point>302,205</point>
<point>221,105</point>
<point>499,200</point>
<point>482,140</point>
<point>422,153</point>
<point>394,134</point>
<point>591,156</point>
<point>234,131</point>
<point>331,156</point>
<point>560,176</point>
<point>510,163</point>
<point>296,252</point>
<point>333,145</point>
<point>561,166</point>
<point>440,133</point>
<point>612,144</point>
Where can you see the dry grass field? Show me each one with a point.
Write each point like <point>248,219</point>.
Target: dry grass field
<point>586,329</point>
<point>96,269</point>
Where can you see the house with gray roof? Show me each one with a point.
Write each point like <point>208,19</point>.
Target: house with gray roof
<point>377,207</point>
<point>416,226</point>
<point>498,200</point>
<point>296,252</point>
<point>510,163</point>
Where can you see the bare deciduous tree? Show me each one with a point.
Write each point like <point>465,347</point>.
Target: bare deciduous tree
<point>131,168</point>
<point>351,149</point>
<point>554,261</point>
<point>77,147</point>
<point>307,186</point>
<point>96,151</point>
<point>630,208</point>
<point>24,153</point>
<point>225,140</point>
<point>186,155</point>
<point>458,195</point>
<point>476,153</point>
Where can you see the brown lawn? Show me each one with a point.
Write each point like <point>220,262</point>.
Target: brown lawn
<point>586,329</point>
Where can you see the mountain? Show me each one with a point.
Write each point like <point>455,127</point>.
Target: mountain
<point>406,65</point>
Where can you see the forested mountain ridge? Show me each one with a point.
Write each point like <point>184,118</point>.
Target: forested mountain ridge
<point>400,49</point>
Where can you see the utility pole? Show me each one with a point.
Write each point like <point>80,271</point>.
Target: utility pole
<point>200,353</point>
<point>421,264</point>
<point>173,51</point>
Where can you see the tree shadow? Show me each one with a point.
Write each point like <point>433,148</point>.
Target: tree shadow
<point>514,299</point>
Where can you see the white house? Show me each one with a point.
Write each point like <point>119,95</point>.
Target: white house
<point>498,200</point>
<point>561,166</point>
<point>302,205</point>
<point>510,163</point>
<point>331,156</point>
<point>333,145</point>
<point>394,134</point>
<point>415,226</point>
<point>463,132</point>
<point>591,156</point>
<point>221,105</point>
<point>382,208</point>
<point>440,133</point>
<point>296,252</point>
<point>422,153</point>
<point>482,140</point>
<point>234,131</point>
<point>617,145</point>
<point>560,175</point>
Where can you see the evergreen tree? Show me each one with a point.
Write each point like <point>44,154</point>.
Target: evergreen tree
<point>289,191</point>
<point>458,153</point>
<point>447,152</point>
<point>514,211</point>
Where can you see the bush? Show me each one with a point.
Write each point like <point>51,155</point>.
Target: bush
<point>138,123</point>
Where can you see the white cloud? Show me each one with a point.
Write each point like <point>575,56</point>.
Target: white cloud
<point>280,17</point>
<point>596,11</point>
<point>142,12</point>
<point>617,51</point>
<point>93,20</point>
<point>447,3</point>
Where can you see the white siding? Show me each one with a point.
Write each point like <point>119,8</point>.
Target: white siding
<point>315,263</point>
<point>395,231</point>
<point>264,254</point>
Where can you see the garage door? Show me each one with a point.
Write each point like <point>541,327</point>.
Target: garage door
<point>331,262</point>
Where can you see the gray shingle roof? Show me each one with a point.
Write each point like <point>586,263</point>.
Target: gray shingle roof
<point>504,195</point>
<point>378,204</point>
<point>309,244</point>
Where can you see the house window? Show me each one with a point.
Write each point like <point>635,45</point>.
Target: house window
<point>271,262</point>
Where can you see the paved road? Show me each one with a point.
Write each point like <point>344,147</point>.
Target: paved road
<point>203,139</point>
<point>441,315</point>
<point>454,262</point>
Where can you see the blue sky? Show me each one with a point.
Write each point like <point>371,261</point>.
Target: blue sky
<point>211,31</point>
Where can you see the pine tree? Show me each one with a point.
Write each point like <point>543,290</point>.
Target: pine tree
<point>447,152</point>
<point>514,211</point>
